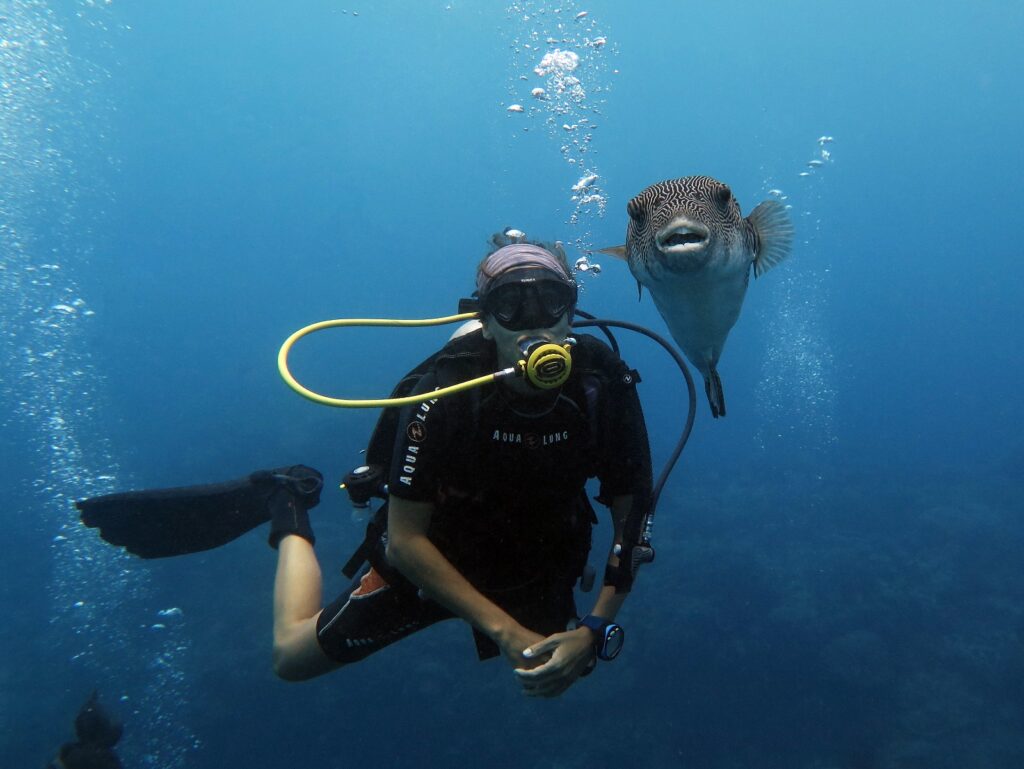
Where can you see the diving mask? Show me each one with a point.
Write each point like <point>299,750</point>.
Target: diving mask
<point>530,298</point>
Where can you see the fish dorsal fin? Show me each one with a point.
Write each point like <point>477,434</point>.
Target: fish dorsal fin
<point>619,252</point>
<point>774,231</point>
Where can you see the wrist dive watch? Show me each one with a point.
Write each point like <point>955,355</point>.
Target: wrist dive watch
<point>608,636</point>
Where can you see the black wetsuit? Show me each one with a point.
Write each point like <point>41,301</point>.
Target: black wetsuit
<point>506,475</point>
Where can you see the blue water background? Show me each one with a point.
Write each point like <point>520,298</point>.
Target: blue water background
<point>838,580</point>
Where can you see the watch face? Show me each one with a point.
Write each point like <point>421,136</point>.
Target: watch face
<point>614,636</point>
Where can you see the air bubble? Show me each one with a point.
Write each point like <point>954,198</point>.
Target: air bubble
<point>575,78</point>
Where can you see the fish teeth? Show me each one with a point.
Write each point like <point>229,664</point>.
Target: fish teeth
<point>698,236</point>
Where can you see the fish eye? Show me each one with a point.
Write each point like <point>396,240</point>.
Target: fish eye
<point>723,195</point>
<point>635,210</point>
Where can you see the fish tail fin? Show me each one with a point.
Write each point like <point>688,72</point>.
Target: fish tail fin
<point>774,230</point>
<point>619,252</point>
<point>713,388</point>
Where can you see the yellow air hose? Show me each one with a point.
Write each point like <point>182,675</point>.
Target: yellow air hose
<point>349,403</point>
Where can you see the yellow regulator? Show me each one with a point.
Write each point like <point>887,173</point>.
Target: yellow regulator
<point>546,365</point>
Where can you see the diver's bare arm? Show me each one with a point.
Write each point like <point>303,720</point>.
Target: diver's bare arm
<point>567,654</point>
<point>413,554</point>
<point>608,601</point>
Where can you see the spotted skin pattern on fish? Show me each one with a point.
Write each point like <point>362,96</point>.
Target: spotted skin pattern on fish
<point>689,244</point>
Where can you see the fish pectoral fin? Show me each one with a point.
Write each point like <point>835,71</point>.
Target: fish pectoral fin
<point>716,398</point>
<point>619,252</point>
<point>774,230</point>
<point>639,290</point>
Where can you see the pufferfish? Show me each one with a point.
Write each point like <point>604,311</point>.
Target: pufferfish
<point>690,245</point>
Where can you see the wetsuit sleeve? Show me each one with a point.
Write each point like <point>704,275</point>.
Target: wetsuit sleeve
<point>419,447</point>
<point>626,465</point>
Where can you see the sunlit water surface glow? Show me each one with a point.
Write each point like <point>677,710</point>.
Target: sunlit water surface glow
<point>798,582</point>
<point>52,105</point>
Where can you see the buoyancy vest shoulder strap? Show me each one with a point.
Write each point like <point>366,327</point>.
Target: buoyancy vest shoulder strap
<point>457,361</point>
<point>592,355</point>
<point>601,371</point>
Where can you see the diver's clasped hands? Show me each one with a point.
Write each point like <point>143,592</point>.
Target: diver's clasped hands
<point>549,666</point>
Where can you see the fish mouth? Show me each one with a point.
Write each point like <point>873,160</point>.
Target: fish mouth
<point>681,236</point>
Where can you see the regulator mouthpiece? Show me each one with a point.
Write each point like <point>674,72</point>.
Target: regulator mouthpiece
<point>545,365</point>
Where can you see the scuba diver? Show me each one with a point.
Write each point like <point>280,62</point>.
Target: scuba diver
<point>97,734</point>
<point>486,517</point>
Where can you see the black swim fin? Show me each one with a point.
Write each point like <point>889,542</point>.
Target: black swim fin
<point>95,726</point>
<point>163,522</point>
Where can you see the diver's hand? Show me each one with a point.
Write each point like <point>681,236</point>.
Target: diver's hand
<point>566,656</point>
<point>514,641</point>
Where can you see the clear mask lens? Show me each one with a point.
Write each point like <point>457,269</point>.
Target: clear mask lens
<point>535,304</point>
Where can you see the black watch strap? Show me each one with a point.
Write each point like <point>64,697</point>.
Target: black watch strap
<point>608,636</point>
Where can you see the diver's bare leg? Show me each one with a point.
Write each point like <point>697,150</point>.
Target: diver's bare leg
<point>297,604</point>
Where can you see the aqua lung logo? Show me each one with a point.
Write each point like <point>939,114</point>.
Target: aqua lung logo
<point>416,431</point>
<point>551,370</point>
<point>530,440</point>
<point>409,465</point>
